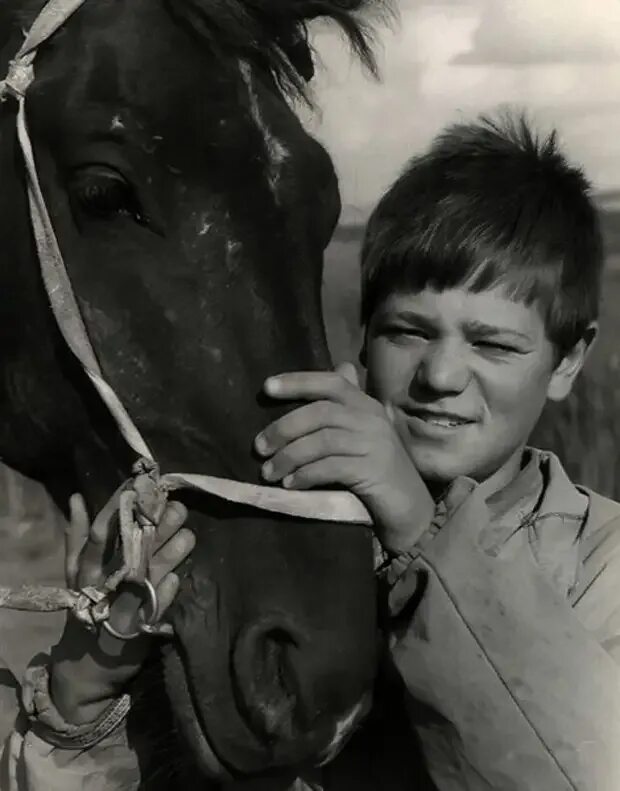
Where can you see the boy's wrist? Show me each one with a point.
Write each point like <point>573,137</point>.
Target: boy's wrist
<point>53,725</point>
<point>78,701</point>
<point>402,533</point>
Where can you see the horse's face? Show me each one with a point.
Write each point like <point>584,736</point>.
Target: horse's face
<point>192,210</point>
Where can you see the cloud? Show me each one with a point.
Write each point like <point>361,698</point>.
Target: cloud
<point>522,32</point>
<point>371,128</point>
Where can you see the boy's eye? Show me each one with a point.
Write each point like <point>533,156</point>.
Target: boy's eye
<point>494,346</point>
<point>398,330</point>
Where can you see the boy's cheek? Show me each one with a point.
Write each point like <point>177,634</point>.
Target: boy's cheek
<point>520,393</point>
<point>388,372</point>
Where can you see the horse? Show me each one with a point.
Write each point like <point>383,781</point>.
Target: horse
<point>192,210</point>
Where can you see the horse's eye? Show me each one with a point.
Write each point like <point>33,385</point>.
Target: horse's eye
<point>103,193</point>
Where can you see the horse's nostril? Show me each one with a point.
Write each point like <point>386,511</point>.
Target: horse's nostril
<point>265,676</point>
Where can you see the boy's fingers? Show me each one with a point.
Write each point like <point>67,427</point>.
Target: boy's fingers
<point>173,518</point>
<point>313,447</point>
<point>91,564</point>
<point>101,534</point>
<point>76,536</point>
<point>166,592</point>
<point>171,554</point>
<point>301,421</point>
<point>124,611</point>
<point>102,526</point>
<point>124,618</point>
<point>310,386</point>
<point>323,472</point>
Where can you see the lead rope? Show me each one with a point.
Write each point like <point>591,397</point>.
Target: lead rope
<point>144,498</point>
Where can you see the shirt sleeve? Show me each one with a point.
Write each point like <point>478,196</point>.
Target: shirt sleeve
<point>28,763</point>
<point>507,688</point>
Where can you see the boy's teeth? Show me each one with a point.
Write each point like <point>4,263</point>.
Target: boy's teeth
<point>441,421</point>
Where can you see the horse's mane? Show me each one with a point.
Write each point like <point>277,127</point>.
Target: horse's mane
<point>276,30</point>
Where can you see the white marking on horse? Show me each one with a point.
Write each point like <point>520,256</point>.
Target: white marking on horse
<point>345,727</point>
<point>215,353</point>
<point>276,150</point>
<point>117,123</point>
<point>205,225</point>
<point>150,148</point>
<point>233,254</point>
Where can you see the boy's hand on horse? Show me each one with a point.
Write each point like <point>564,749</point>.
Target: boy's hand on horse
<point>89,668</point>
<point>344,437</point>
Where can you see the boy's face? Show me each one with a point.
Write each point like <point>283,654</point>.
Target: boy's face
<point>470,372</point>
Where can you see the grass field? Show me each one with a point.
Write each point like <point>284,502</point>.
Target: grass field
<point>584,431</point>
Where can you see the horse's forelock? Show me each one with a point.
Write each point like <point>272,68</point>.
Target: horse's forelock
<point>276,30</point>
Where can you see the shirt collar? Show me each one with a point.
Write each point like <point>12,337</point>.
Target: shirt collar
<point>522,495</point>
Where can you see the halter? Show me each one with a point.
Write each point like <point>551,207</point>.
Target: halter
<point>143,500</point>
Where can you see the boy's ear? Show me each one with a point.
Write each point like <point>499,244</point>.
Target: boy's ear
<point>569,367</point>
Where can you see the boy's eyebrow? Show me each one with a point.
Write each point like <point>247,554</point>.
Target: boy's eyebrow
<point>410,316</point>
<point>472,327</point>
<point>481,328</point>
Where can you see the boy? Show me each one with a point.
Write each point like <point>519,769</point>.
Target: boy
<point>481,275</point>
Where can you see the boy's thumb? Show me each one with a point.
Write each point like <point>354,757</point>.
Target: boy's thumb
<point>76,536</point>
<point>348,372</point>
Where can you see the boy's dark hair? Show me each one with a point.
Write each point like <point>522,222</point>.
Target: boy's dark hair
<point>490,204</point>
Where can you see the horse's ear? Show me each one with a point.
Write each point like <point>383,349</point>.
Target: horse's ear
<point>297,49</point>
<point>355,18</point>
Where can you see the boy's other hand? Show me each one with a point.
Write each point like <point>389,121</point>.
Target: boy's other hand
<point>89,669</point>
<point>344,437</point>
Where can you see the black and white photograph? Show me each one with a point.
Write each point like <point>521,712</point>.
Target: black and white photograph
<point>309,395</point>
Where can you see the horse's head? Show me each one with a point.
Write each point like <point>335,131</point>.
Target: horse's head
<point>192,210</point>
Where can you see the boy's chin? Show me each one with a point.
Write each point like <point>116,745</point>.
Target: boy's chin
<point>439,469</point>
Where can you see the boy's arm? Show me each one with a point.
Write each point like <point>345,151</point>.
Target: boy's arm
<point>29,763</point>
<point>507,688</point>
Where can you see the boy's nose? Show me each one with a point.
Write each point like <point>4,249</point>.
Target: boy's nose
<point>443,369</point>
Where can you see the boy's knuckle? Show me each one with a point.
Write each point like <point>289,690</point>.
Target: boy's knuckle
<point>322,441</point>
<point>325,410</point>
<point>320,410</point>
<point>283,460</point>
<point>300,476</point>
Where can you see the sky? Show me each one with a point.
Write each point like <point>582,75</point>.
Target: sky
<point>449,60</point>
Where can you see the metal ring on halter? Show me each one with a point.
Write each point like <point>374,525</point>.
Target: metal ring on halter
<point>149,621</point>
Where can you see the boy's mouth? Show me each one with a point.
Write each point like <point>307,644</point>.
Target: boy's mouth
<point>445,420</point>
